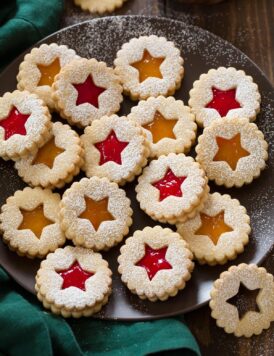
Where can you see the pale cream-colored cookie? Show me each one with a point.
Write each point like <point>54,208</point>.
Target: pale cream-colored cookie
<point>99,6</point>
<point>56,162</point>
<point>116,148</point>
<point>232,152</point>
<point>172,188</point>
<point>167,123</point>
<point>242,300</point>
<point>25,124</point>
<point>39,68</point>
<point>95,213</point>
<point>73,281</point>
<point>86,90</point>
<point>29,222</point>
<point>224,92</point>
<point>155,263</point>
<point>219,232</point>
<point>149,66</point>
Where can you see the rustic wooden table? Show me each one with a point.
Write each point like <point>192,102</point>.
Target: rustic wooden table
<point>248,24</point>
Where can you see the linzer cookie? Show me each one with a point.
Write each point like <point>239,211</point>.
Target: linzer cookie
<point>167,123</point>
<point>149,66</point>
<point>116,148</point>
<point>39,68</point>
<point>56,162</point>
<point>95,213</point>
<point>25,124</point>
<point>86,90</point>
<point>73,281</point>
<point>172,188</point>
<point>99,6</point>
<point>30,222</point>
<point>242,300</point>
<point>219,232</point>
<point>224,92</point>
<point>232,152</point>
<point>155,263</point>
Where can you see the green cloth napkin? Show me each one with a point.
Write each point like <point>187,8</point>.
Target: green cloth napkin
<point>27,329</point>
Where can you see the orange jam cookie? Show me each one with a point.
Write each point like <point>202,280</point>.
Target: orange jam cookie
<point>39,68</point>
<point>168,124</point>
<point>95,213</point>
<point>224,92</point>
<point>56,162</point>
<point>86,90</point>
<point>73,282</point>
<point>172,188</point>
<point>116,148</point>
<point>149,66</point>
<point>99,6</point>
<point>242,300</point>
<point>25,124</point>
<point>155,263</point>
<point>232,152</point>
<point>219,232</point>
<point>29,222</point>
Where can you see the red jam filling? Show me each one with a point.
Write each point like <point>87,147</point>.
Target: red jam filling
<point>14,123</point>
<point>88,92</point>
<point>111,149</point>
<point>154,261</point>
<point>75,276</point>
<point>169,185</point>
<point>223,101</point>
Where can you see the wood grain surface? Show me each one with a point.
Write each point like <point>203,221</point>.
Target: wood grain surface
<point>248,24</point>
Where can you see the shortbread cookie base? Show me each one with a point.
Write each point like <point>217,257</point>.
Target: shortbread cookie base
<point>99,6</point>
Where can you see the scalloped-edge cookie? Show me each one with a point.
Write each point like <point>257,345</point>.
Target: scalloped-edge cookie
<point>39,68</point>
<point>116,148</point>
<point>225,307</point>
<point>219,232</point>
<point>149,66</point>
<point>99,6</point>
<point>167,123</point>
<point>25,124</point>
<point>56,162</point>
<point>172,188</point>
<point>29,222</point>
<point>95,213</point>
<point>232,152</point>
<point>86,90</point>
<point>73,282</point>
<point>155,263</point>
<point>224,92</point>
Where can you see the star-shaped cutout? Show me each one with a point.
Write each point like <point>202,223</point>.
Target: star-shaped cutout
<point>47,154</point>
<point>161,127</point>
<point>48,72</point>
<point>223,101</point>
<point>154,261</point>
<point>245,300</point>
<point>75,276</point>
<point>88,92</point>
<point>148,66</point>
<point>213,226</point>
<point>111,149</point>
<point>170,184</point>
<point>96,212</point>
<point>34,220</point>
<point>14,123</point>
<point>230,150</point>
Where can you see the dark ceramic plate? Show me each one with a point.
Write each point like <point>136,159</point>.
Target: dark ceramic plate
<point>101,38</point>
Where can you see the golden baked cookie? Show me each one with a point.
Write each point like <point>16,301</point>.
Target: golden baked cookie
<point>155,263</point>
<point>219,232</point>
<point>29,222</point>
<point>99,6</point>
<point>242,300</point>
<point>149,66</point>
<point>168,124</point>
<point>73,281</point>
